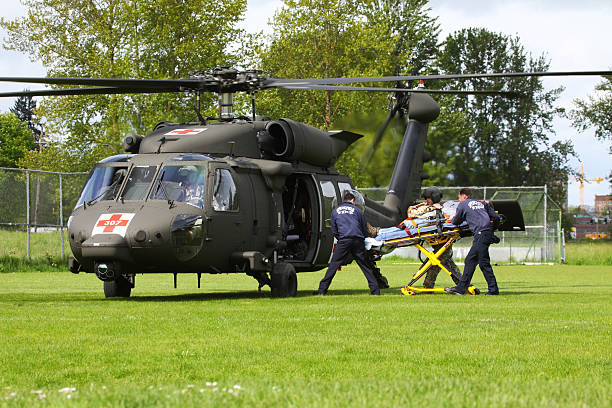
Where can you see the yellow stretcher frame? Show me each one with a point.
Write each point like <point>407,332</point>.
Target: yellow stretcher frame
<point>447,238</point>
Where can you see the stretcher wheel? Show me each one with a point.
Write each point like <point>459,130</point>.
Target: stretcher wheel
<point>473,290</point>
<point>408,292</point>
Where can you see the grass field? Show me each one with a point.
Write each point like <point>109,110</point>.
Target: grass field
<point>586,252</point>
<point>547,341</point>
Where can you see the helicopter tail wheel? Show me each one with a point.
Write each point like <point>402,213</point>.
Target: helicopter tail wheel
<point>120,287</point>
<point>284,280</point>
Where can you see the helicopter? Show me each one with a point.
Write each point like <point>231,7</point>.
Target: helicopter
<point>236,194</point>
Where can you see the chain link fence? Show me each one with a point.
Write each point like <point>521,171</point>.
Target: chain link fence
<point>36,201</point>
<point>543,238</point>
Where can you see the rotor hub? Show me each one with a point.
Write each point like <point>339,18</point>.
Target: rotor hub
<point>229,80</point>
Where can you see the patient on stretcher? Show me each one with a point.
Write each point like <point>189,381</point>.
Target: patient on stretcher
<point>413,227</point>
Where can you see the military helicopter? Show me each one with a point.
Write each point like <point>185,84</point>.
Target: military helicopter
<point>235,194</point>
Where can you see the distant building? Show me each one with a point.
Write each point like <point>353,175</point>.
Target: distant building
<point>603,204</point>
<point>590,227</point>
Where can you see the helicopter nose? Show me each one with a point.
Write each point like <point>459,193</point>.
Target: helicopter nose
<point>106,246</point>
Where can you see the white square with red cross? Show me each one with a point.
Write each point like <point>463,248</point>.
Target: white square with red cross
<point>185,131</point>
<point>112,224</point>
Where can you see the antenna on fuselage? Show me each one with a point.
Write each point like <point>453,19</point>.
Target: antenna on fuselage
<point>199,109</point>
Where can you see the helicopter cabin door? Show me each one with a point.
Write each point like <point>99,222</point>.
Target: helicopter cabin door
<point>328,198</point>
<point>225,212</point>
<point>300,219</point>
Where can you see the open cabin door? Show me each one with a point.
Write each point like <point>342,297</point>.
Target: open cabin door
<point>328,196</point>
<point>301,219</point>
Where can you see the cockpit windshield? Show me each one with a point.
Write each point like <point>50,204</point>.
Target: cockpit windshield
<point>138,182</point>
<point>181,183</point>
<point>103,184</point>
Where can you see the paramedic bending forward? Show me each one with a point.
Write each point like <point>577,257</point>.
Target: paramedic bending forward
<point>348,225</point>
<point>478,215</point>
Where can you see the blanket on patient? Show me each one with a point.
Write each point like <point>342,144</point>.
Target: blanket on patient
<point>413,227</point>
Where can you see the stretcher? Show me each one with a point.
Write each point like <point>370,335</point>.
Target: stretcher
<point>434,232</point>
<point>433,258</point>
<point>437,232</point>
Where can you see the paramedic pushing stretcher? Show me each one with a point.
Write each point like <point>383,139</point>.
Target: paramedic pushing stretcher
<point>478,215</point>
<point>349,226</point>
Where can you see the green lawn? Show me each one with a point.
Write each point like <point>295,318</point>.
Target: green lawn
<point>547,341</point>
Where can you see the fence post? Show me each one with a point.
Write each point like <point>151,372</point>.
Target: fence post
<point>61,214</point>
<point>28,211</point>
<point>563,260</point>
<point>545,223</point>
<point>559,238</point>
<point>36,201</point>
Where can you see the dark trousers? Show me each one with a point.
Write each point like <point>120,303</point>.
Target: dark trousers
<point>445,259</point>
<point>479,255</point>
<point>355,247</point>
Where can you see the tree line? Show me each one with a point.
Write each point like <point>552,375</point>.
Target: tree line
<point>477,140</point>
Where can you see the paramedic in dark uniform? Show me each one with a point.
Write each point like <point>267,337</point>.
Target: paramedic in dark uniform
<point>478,215</point>
<point>348,225</point>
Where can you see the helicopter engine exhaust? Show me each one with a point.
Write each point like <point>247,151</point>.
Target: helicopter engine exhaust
<point>288,140</point>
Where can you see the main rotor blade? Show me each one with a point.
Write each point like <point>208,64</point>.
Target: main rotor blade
<point>176,84</point>
<point>275,82</point>
<point>417,90</point>
<point>81,91</point>
<point>220,82</point>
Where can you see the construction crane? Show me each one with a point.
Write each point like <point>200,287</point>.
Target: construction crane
<point>583,180</point>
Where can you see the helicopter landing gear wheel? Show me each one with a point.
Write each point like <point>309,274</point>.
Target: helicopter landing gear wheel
<point>120,287</point>
<point>284,280</point>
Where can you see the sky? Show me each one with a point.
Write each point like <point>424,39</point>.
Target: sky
<point>572,35</point>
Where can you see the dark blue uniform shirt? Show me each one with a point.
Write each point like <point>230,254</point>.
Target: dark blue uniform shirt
<point>478,214</point>
<point>348,221</point>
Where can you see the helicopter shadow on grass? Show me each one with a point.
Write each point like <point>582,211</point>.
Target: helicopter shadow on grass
<point>211,296</point>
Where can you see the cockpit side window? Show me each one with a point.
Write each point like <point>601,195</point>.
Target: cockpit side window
<point>224,191</point>
<point>138,182</point>
<point>104,184</point>
<point>180,183</point>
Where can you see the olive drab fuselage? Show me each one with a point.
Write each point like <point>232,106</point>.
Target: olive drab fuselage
<point>278,208</point>
<point>232,196</point>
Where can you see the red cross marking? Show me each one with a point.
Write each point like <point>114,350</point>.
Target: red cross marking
<point>114,221</point>
<point>185,131</point>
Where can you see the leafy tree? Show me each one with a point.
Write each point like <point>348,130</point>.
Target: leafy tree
<point>24,109</point>
<point>15,140</point>
<point>120,39</point>
<point>412,32</point>
<point>342,38</point>
<point>596,112</point>
<point>496,140</point>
